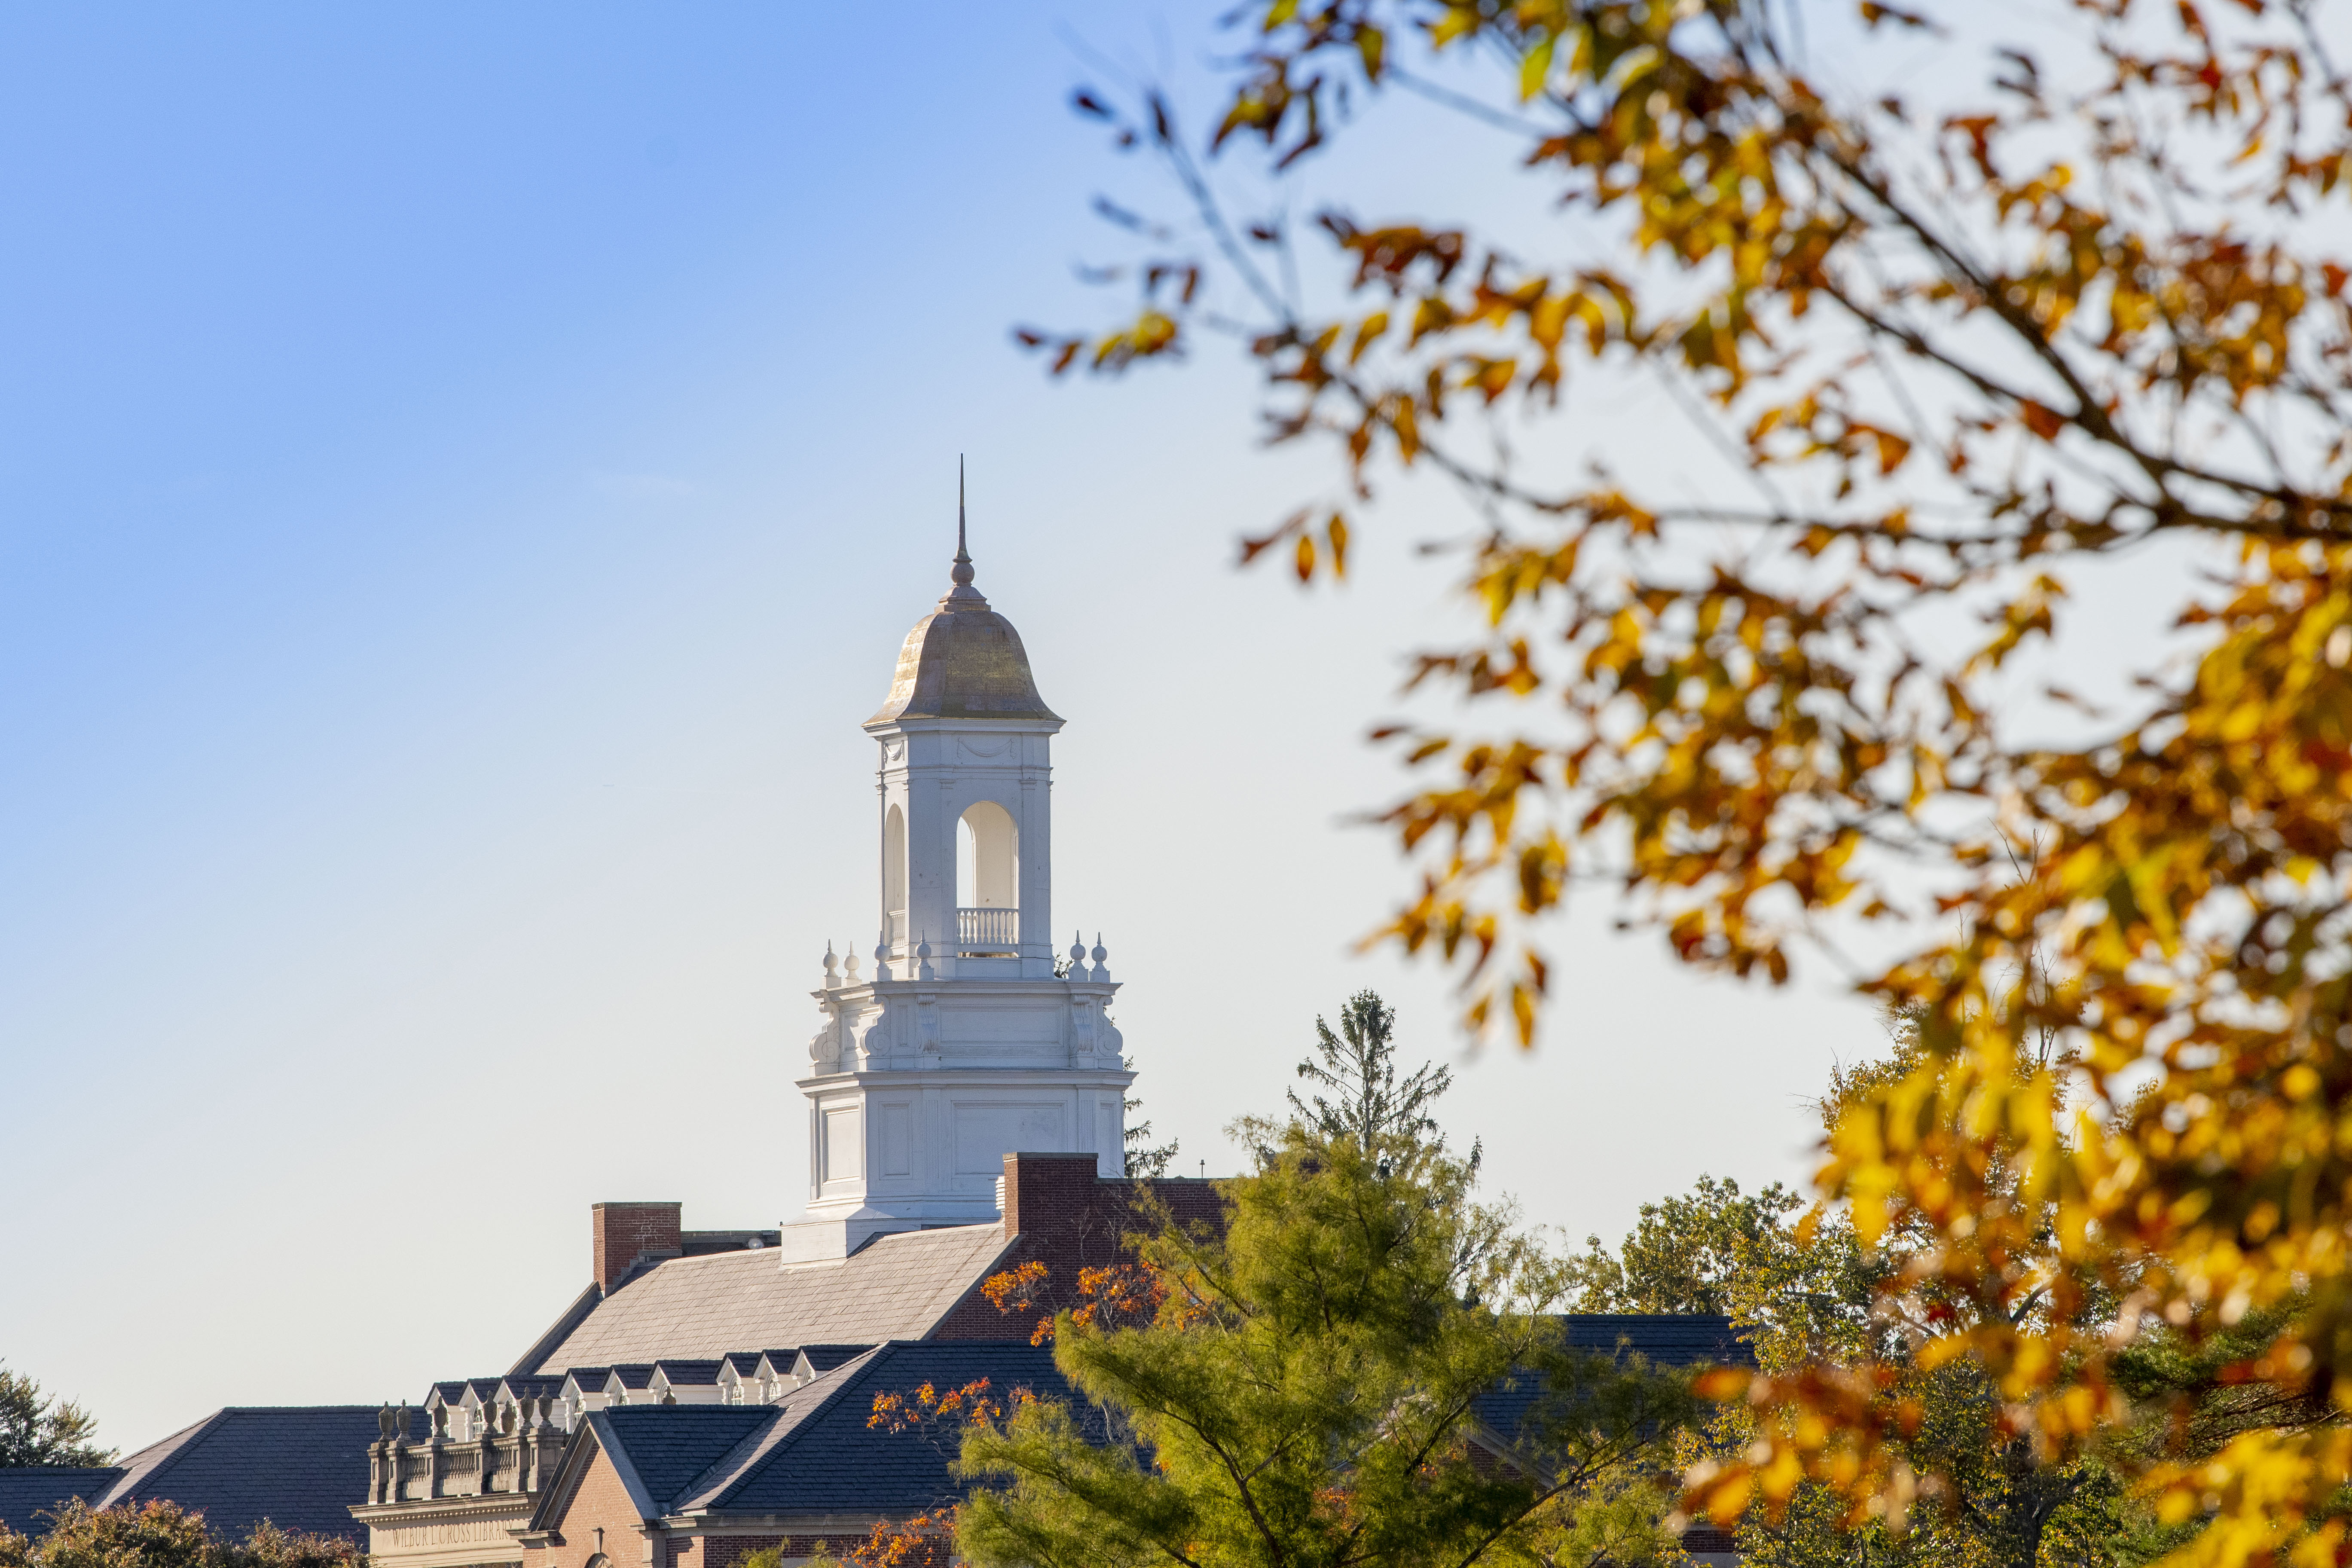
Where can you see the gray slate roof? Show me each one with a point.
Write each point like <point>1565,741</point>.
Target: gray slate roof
<point>1662,1339</point>
<point>832,1461</point>
<point>662,1449</point>
<point>30,1489</point>
<point>298,1466</point>
<point>814,1451</point>
<point>897,1287</point>
<point>1668,1338</point>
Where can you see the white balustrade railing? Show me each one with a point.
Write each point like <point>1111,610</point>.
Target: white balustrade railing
<point>988,931</point>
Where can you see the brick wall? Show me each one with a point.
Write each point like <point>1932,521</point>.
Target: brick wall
<point>618,1233</point>
<point>726,1550</point>
<point>1060,1214</point>
<point>599,1501</point>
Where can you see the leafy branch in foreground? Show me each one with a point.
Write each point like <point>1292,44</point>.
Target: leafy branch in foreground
<point>1953,357</point>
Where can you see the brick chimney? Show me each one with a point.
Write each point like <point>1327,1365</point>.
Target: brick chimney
<point>1049,1193</point>
<point>620,1234</point>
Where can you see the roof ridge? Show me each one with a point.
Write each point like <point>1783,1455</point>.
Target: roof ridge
<point>987,1272</point>
<point>902,1288</point>
<point>548,1343</point>
<point>176,1447</point>
<point>848,1371</point>
<point>748,1445</point>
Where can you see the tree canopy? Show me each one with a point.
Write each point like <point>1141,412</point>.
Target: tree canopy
<point>1356,1069</point>
<point>37,1430</point>
<point>161,1534</point>
<point>1363,1365</point>
<point>1311,1388</point>
<point>1962,341</point>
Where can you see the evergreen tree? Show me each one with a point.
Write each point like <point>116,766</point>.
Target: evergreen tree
<point>1357,1067</point>
<point>1146,1159</point>
<point>35,1430</point>
<point>1313,1385</point>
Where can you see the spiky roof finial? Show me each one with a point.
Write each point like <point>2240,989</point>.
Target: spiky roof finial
<point>962,571</point>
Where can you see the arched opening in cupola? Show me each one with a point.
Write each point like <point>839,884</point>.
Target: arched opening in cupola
<point>893,877</point>
<point>988,882</point>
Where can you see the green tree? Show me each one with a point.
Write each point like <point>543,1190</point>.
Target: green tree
<point>1810,1300</point>
<point>1312,1386</point>
<point>1146,1159</point>
<point>154,1535</point>
<point>1699,1252</point>
<point>161,1534</point>
<point>267,1546</point>
<point>1818,1300</point>
<point>36,1430</point>
<point>1367,1105</point>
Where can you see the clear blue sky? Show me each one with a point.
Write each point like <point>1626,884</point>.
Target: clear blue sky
<point>465,473</point>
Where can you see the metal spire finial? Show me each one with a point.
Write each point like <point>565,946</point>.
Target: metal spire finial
<point>962,571</point>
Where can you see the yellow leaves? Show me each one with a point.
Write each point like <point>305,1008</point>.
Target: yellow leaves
<point>1154,332</point>
<point>1534,67</point>
<point>1816,1423</point>
<point>1454,22</point>
<point>2261,1496</point>
<point>1304,553</point>
<point>1722,1383</point>
<point>1431,314</point>
<point>2153,915</point>
<point>2028,613</point>
<point>1407,427</point>
<point>1546,322</point>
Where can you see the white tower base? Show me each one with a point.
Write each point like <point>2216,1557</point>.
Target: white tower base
<point>920,1087</point>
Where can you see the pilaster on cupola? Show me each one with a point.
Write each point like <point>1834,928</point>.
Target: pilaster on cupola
<point>968,1042</point>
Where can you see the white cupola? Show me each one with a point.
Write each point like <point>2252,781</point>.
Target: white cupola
<point>968,1042</point>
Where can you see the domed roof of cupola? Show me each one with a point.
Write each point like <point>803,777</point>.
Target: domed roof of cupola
<point>963,660</point>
